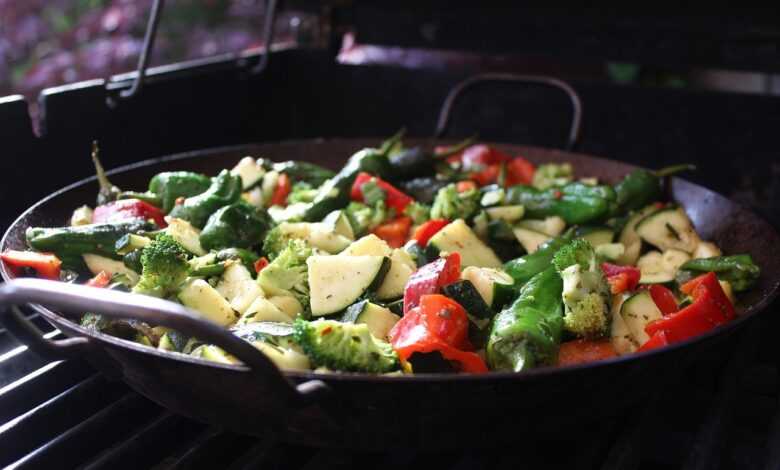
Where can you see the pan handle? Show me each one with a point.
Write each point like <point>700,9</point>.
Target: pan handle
<point>154,311</point>
<point>460,89</point>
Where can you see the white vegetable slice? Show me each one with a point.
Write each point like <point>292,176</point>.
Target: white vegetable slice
<point>530,239</point>
<point>249,172</point>
<point>263,309</point>
<point>400,271</point>
<point>238,287</point>
<point>653,269</point>
<point>97,263</point>
<point>336,282</point>
<point>622,339</point>
<point>637,311</point>
<point>370,245</point>
<point>184,233</point>
<point>669,228</point>
<point>198,295</point>
<point>458,237</point>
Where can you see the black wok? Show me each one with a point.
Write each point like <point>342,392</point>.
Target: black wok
<point>375,412</point>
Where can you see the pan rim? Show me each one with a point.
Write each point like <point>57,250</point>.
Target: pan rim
<point>542,372</point>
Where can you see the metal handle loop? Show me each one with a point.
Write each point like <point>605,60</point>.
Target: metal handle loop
<point>458,90</point>
<point>25,331</point>
<point>154,311</point>
<point>151,34</point>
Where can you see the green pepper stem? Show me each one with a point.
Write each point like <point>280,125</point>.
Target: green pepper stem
<point>460,146</point>
<point>105,184</point>
<point>674,169</point>
<point>392,140</point>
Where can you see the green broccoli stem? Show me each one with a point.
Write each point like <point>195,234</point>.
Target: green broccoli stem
<point>528,333</point>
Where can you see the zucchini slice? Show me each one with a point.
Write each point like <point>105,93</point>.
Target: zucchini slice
<point>336,282</point>
<point>610,251</point>
<point>669,228</point>
<point>672,260</point>
<point>237,286</point>
<point>496,287</point>
<point>707,250</point>
<point>552,225</point>
<point>249,172</point>
<point>184,233</point>
<point>97,263</point>
<point>339,223</point>
<point>317,234</point>
<point>378,319</point>
<point>630,239</point>
<point>530,239</point>
<point>500,230</point>
<point>263,310</point>
<point>370,245</point>
<point>288,304</point>
<point>464,293</point>
<point>401,268</point>
<point>458,237</point>
<point>596,236</point>
<point>653,269</point>
<point>506,213</point>
<point>198,295</point>
<point>637,311</point>
<point>622,339</point>
<point>131,242</point>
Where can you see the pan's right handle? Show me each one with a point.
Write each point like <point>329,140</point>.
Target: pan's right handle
<point>154,311</point>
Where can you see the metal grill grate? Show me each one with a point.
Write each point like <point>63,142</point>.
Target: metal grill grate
<point>64,415</point>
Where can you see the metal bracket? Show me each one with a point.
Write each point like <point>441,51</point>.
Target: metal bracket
<point>458,90</point>
<point>151,34</point>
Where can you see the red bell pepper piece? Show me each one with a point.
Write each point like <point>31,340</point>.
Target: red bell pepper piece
<point>486,176</point>
<point>439,324</point>
<point>260,264</point>
<point>394,197</point>
<point>430,278</point>
<point>102,279</point>
<point>658,340</point>
<point>463,186</point>
<point>425,231</point>
<point>47,265</point>
<point>394,232</point>
<point>621,278</point>
<point>581,351</point>
<point>128,209</point>
<point>479,156</point>
<point>664,299</point>
<point>282,190</point>
<point>709,309</point>
<point>519,171</point>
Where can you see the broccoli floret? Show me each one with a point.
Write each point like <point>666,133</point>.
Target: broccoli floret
<point>275,241</point>
<point>364,218</point>
<point>288,273</point>
<point>164,267</point>
<point>552,174</point>
<point>420,213</point>
<point>344,346</point>
<point>586,293</point>
<point>450,204</point>
<point>301,192</point>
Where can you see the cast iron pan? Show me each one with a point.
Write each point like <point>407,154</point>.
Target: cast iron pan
<point>363,411</point>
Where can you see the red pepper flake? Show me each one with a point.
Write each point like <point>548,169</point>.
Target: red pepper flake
<point>659,205</point>
<point>557,194</point>
<point>326,330</point>
<point>179,200</point>
<point>260,264</point>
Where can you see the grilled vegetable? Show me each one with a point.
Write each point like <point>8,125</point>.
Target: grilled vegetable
<point>524,268</point>
<point>239,225</point>
<point>339,281</point>
<point>527,333</point>
<point>576,203</point>
<point>172,185</point>
<point>310,173</point>
<point>225,189</point>
<point>69,243</point>
<point>344,346</point>
<point>379,319</point>
<point>430,278</point>
<point>165,267</point>
<point>288,273</point>
<point>458,237</point>
<point>738,270</point>
<point>641,187</point>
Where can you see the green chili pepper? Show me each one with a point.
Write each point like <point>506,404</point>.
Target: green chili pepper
<point>739,270</point>
<point>108,192</point>
<point>225,189</point>
<point>69,243</point>
<point>642,187</point>
<point>310,173</point>
<point>247,257</point>
<point>171,185</point>
<point>576,203</point>
<point>148,197</point>
<point>238,225</point>
<point>334,193</point>
<point>524,268</point>
<point>528,332</point>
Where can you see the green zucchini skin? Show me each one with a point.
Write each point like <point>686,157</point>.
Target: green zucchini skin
<point>464,293</point>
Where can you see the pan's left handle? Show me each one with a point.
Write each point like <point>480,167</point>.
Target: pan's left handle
<point>154,311</point>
